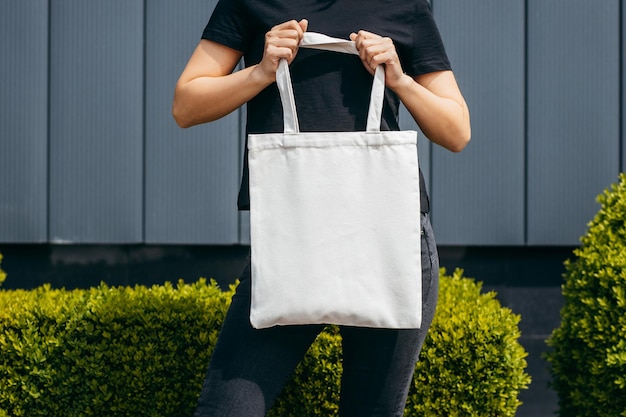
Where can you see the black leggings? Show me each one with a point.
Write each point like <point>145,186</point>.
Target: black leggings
<point>249,367</point>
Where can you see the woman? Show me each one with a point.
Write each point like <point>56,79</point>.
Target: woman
<point>249,367</point>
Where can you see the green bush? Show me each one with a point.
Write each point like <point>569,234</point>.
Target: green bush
<point>143,352</point>
<point>107,351</point>
<point>588,355</point>
<point>472,363</point>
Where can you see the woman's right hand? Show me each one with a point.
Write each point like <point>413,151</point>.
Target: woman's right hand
<point>281,42</point>
<point>209,89</point>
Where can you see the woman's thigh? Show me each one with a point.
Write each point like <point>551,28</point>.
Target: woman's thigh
<point>249,367</point>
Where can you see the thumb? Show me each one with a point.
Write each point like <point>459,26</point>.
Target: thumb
<point>304,24</point>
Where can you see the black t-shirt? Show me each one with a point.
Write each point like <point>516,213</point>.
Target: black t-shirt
<point>331,89</point>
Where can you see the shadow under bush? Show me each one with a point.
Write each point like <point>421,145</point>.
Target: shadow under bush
<point>143,352</point>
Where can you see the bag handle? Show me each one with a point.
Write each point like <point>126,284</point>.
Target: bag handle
<point>319,41</point>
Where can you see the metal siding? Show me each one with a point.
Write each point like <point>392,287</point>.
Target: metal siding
<point>573,114</point>
<point>96,119</point>
<point>23,121</point>
<point>478,195</point>
<point>244,228</point>
<point>192,175</point>
<point>623,84</point>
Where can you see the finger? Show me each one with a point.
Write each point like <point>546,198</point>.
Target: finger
<point>284,33</point>
<point>365,40</point>
<point>374,50</point>
<point>275,53</point>
<point>374,47</point>
<point>383,58</point>
<point>285,38</point>
<point>292,25</point>
<point>366,35</point>
<point>378,42</point>
<point>363,36</point>
<point>304,25</point>
<point>282,41</point>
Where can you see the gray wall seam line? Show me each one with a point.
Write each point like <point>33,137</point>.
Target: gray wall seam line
<point>143,123</point>
<point>47,237</point>
<point>525,124</point>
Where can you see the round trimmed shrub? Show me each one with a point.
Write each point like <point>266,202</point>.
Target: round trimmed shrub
<point>112,352</point>
<point>471,363</point>
<point>144,351</point>
<point>588,355</point>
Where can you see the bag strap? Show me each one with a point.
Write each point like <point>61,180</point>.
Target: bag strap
<point>318,41</point>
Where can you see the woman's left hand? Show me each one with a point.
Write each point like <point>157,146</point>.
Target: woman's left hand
<point>433,99</point>
<point>375,50</point>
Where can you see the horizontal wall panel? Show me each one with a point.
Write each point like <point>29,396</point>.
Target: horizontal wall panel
<point>96,121</point>
<point>478,195</point>
<point>573,114</point>
<point>23,121</point>
<point>192,175</point>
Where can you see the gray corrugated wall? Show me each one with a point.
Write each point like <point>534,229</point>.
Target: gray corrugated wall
<point>478,195</point>
<point>89,152</point>
<point>623,85</point>
<point>96,121</point>
<point>192,175</point>
<point>542,81</point>
<point>573,114</point>
<point>23,121</point>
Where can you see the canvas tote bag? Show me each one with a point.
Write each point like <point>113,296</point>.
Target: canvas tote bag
<point>334,219</point>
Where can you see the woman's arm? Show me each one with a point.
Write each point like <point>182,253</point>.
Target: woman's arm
<point>208,89</point>
<point>434,100</point>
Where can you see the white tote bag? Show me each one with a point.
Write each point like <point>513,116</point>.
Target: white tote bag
<point>335,219</point>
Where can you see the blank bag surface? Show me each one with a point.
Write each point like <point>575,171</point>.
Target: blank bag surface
<point>335,219</point>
